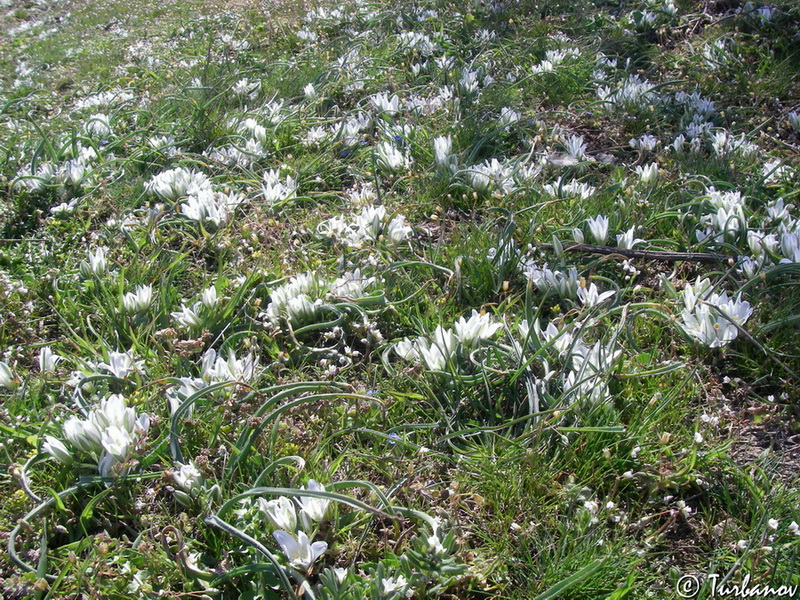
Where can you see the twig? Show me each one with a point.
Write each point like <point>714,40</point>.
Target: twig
<point>705,257</point>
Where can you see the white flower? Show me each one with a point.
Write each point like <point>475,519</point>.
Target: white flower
<point>106,466</point>
<point>692,292</point>
<point>760,243</point>
<point>301,286</point>
<point>443,153</point>
<point>121,364</point>
<point>790,247</point>
<point>435,544</point>
<point>48,360</point>
<point>275,190</point>
<point>508,116</point>
<point>95,265</point>
<point>108,435</point>
<point>44,176</point>
<point>749,267</point>
<point>412,40</point>
<point>138,300</point>
<point>648,173</point>
<point>188,317</point>
<point>65,208</point>
<point>245,87</point>
<point>713,320</point>
<point>678,144</point>
<point>434,357</point>
<point>645,142</point>
<point>595,360</point>
<point>627,240</point>
<point>598,227</point>
<point>57,450</point>
<point>75,171</point>
<point>97,126</point>
<point>351,285</point>
<point>394,584</point>
<point>313,508</point>
<point>369,223</point>
<point>315,136</point>
<point>773,524</point>
<point>724,222</point>
<point>384,104</point>
<point>407,349</point>
<point>492,175</point>
<point>390,158</point>
<point>560,189</point>
<point>117,442</point>
<point>253,129</point>
<point>177,394</point>
<point>301,309</point>
<point>300,553</point>
<point>83,435</point>
<point>576,148</point>
<point>217,368</point>
<point>397,231</point>
<point>114,411</point>
<point>440,351</point>
<point>210,206</point>
<point>164,144</point>
<point>280,512</point>
<point>188,477</point>
<point>471,332</point>
<point>176,183</point>
<point>7,379</point>
<point>546,280</point>
<point>209,297</point>
<point>562,339</point>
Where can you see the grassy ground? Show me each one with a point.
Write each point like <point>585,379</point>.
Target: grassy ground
<point>374,301</point>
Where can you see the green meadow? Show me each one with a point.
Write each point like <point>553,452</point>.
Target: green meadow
<point>415,300</point>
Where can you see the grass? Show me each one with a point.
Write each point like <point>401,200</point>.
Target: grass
<point>309,269</point>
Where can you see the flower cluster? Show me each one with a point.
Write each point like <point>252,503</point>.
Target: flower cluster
<point>295,542</point>
<point>217,368</point>
<point>391,159</point>
<point>211,207</point>
<point>370,225</point>
<point>306,297</point>
<point>444,346</point>
<point>547,280</point>
<point>276,190</point>
<point>712,318</point>
<point>200,312</point>
<point>492,176</point>
<point>108,437</point>
<point>173,184</point>
<point>583,375</point>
